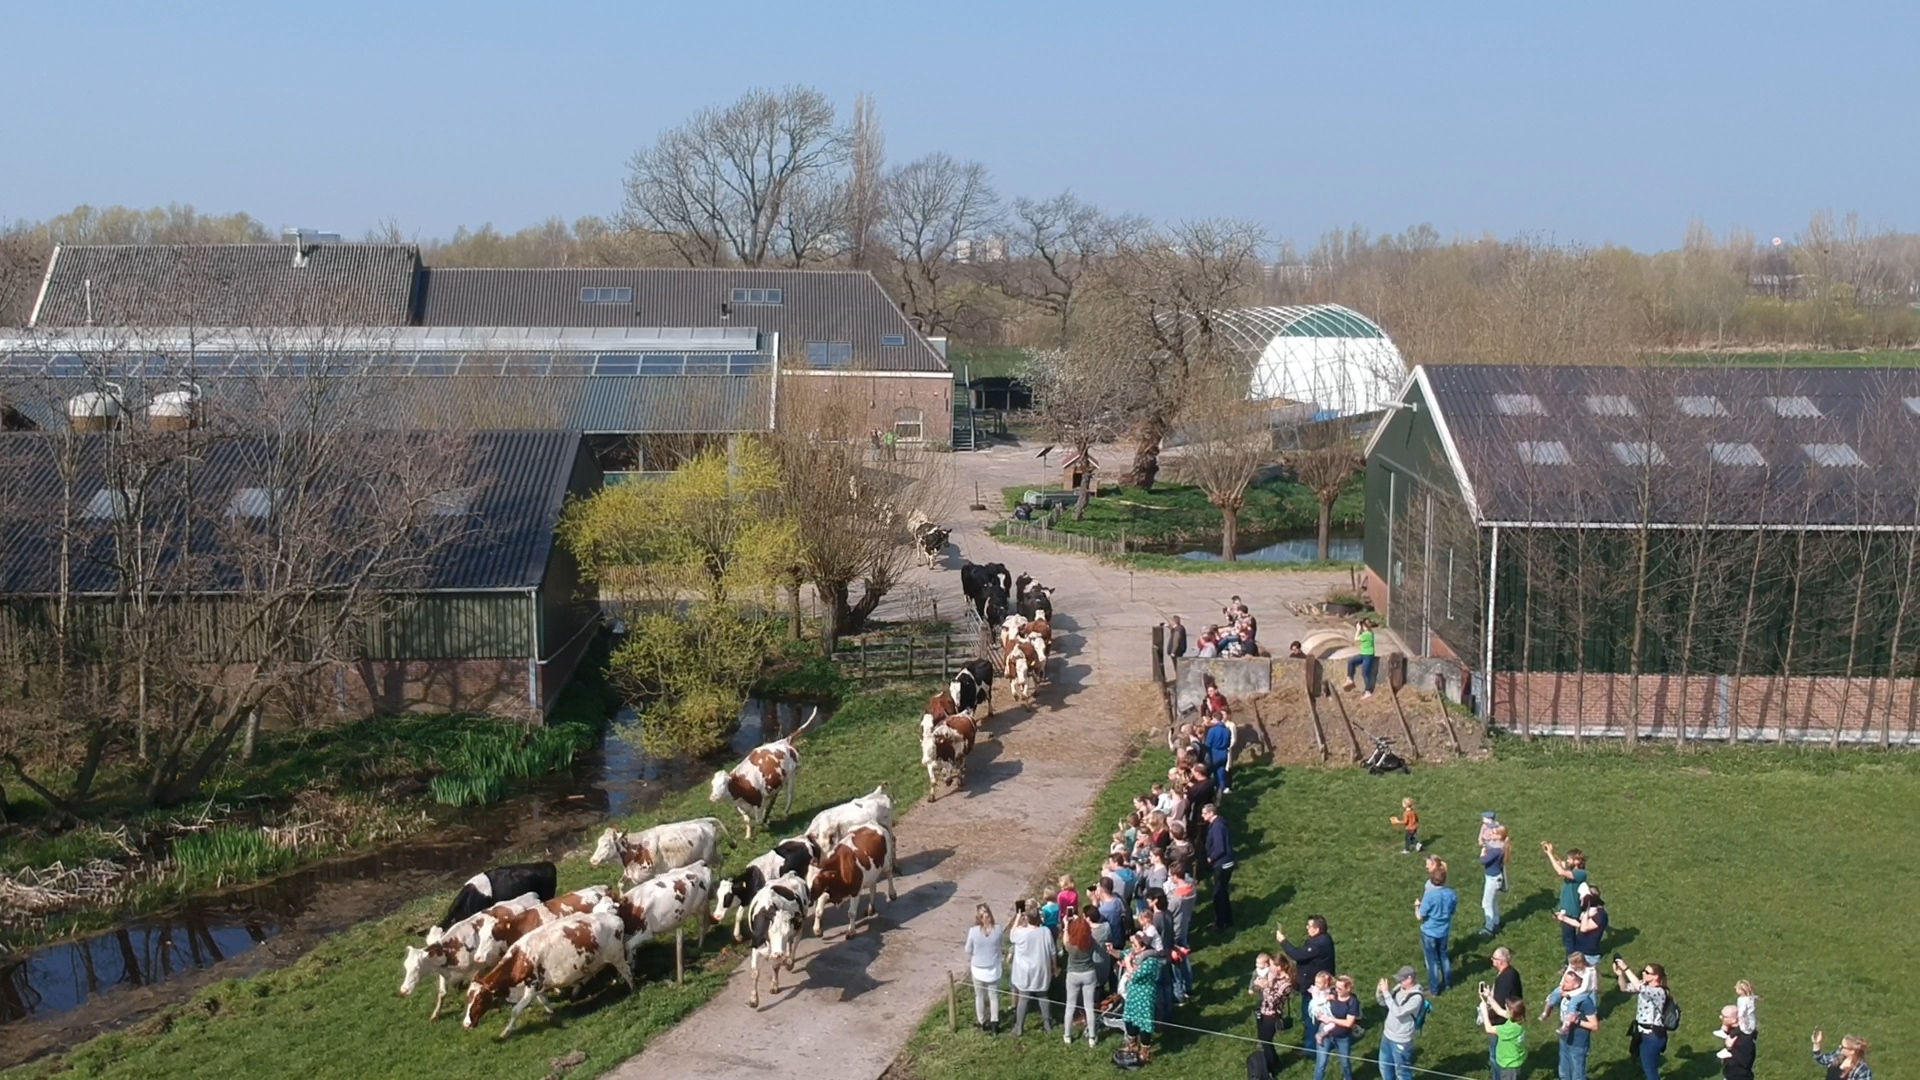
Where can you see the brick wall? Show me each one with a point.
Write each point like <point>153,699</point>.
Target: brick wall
<point>1710,706</point>
<point>883,396</point>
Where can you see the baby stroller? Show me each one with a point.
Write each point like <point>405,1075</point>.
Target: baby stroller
<point>1383,760</point>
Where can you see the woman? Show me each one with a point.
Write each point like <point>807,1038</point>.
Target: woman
<point>1139,987</point>
<point>1343,1012</point>
<point>1590,927</point>
<point>1649,1039</point>
<point>983,958</point>
<point>1847,1063</point>
<point>1032,950</point>
<point>1083,977</point>
<point>1274,1014</point>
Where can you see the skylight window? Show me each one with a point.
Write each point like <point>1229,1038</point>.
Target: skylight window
<point>1518,405</point>
<point>1795,408</point>
<point>453,502</point>
<point>1639,453</point>
<point>106,504</point>
<point>823,354</point>
<point>759,296</point>
<point>1913,405</point>
<point>1735,453</point>
<point>893,339</point>
<point>607,295</point>
<point>251,502</point>
<point>1699,405</point>
<point>1832,453</point>
<point>1553,452</point>
<point>1611,405</point>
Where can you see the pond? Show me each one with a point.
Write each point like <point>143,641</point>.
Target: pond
<point>1288,547</point>
<point>58,994</point>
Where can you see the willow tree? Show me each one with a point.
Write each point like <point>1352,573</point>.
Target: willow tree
<point>1228,439</point>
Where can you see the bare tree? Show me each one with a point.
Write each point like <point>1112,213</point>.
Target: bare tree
<point>1228,439</point>
<point>1326,461</point>
<point>1160,300</point>
<point>717,186</point>
<point>937,210</point>
<point>1053,245</point>
<point>866,176</point>
<point>1082,397</point>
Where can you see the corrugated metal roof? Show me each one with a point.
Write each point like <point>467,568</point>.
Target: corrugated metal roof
<point>816,305</point>
<point>1724,446</point>
<point>229,285</point>
<point>518,479</point>
<point>177,341</point>
<point>594,404</point>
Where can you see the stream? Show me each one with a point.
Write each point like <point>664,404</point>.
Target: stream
<point>58,995</point>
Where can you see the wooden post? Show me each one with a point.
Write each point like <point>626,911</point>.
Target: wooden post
<point>679,955</point>
<point>863,657</point>
<point>946,648</point>
<point>953,1005</point>
<point>909,656</point>
<point>1159,652</point>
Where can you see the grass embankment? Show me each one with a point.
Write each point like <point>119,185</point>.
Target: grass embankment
<point>1173,514</point>
<point>334,1013</point>
<point>985,361</point>
<point>325,790</point>
<point>1786,867</point>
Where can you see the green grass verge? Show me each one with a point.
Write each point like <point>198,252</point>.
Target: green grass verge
<point>1140,560</point>
<point>334,1013</point>
<point>985,361</point>
<point>1803,358</point>
<point>1180,513</point>
<point>1787,867</point>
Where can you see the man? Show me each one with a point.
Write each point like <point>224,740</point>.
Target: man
<point>1112,910</point>
<point>1120,872</point>
<point>1435,912</point>
<point>1573,874</point>
<point>1737,1059</point>
<point>1221,862</point>
<point>1493,864</point>
<point>1403,1002</point>
<point>1310,958</point>
<point>1579,1019</point>
<point>1179,900</point>
<point>1218,739</point>
<point>1176,637</point>
<point>1201,793</point>
<point>1506,987</point>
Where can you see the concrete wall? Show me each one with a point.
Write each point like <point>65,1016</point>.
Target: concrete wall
<point>1240,678</point>
<point>1710,706</point>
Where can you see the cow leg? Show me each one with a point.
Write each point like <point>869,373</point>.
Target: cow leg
<point>892,894</point>
<point>513,1019</point>
<point>753,1002</point>
<point>739,913</point>
<point>699,932</point>
<point>819,909</point>
<point>793,781</point>
<point>748,818</point>
<point>438,999</point>
<point>853,912</point>
<point>623,967</point>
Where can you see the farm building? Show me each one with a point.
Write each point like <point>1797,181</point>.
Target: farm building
<point>1673,552</point>
<point>1323,355</point>
<point>505,338</point>
<point>473,605</point>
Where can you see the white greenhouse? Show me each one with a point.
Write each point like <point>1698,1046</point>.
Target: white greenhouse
<point>1325,355</point>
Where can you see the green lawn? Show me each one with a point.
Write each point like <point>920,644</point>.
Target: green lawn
<point>334,1012</point>
<point>1180,513</point>
<point>1786,867</point>
<point>1805,358</point>
<point>985,361</point>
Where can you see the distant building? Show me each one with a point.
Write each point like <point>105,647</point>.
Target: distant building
<point>1325,356</point>
<point>561,348</point>
<point>1708,552</point>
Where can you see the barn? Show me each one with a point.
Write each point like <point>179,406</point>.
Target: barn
<point>1723,553</point>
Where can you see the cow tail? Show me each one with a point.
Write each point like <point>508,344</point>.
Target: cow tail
<point>812,718</point>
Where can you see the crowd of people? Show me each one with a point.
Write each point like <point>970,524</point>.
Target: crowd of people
<point>1236,634</point>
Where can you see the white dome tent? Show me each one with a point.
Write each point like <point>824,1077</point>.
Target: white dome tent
<point>1329,356</point>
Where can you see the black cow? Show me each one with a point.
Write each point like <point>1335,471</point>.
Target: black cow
<point>485,889</point>
<point>985,587</point>
<point>1036,602</point>
<point>972,685</point>
<point>793,856</point>
<point>932,540</point>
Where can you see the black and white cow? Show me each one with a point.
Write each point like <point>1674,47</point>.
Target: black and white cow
<point>972,686</point>
<point>482,890</point>
<point>988,589</point>
<point>1035,602</point>
<point>774,916</point>
<point>794,856</point>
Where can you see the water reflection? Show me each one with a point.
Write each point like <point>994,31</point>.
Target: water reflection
<point>1296,549</point>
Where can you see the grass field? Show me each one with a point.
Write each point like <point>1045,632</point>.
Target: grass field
<point>334,1013</point>
<point>1789,868</point>
<point>1179,513</point>
<point>1804,358</point>
<point>985,361</point>
<point>1141,560</point>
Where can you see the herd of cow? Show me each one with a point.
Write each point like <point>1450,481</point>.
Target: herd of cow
<point>509,938</point>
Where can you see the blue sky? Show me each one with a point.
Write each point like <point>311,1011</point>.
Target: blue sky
<point>1593,122</point>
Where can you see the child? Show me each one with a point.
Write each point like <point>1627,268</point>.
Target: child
<point>1261,965</point>
<point>1409,819</point>
<point>1068,897</point>
<point>1320,1008</point>
<point>1050,915</point>
<point>1162,799</point>
<point>1748,1003</point>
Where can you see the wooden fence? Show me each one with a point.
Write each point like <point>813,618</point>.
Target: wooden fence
<point>1035,532</point>
<point>906,656</point>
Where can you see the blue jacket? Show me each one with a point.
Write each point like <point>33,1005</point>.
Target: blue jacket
<point>1219,741</point>
<point>1436,911</point>
<point>1219,845</point>
<point>1494,862</point>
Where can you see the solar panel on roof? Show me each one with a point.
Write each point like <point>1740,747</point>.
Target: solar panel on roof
<point>1836,454</point>
<point>1552,452</point>
<point>1639,453</point>
<point>1699,405</point>
<point>1729,453</point>
<point>1518,405</point>
<point>1795,407</point>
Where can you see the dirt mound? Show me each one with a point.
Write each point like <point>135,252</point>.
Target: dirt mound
<point>1347,722</point>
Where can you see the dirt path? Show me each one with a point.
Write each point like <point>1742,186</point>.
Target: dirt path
<point>858,1001</point>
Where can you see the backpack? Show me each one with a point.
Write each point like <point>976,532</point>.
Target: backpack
<point>1670,1013</point>
<point>1420,1017</point>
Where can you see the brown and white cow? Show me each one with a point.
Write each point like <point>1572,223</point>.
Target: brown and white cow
<point>1022,670</point>
<point>666,847</point>
<point>831,825</point>
<point>559,955</point>
<point>944,749</point>
<point>497,936</point>
<point>753,784</point>
<point>774,918</point>
<point>662,904</point>
<point>452,954</point>
<point>858,863</point>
